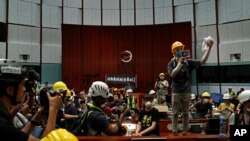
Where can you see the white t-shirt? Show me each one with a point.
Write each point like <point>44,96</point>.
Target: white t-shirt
<point>20,120</point>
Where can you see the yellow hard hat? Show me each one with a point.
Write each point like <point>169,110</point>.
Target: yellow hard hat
<point>205,94</point>
<point>176,45</point>
<point>60,135</point>
<point>70,94</point>
<point>59,85</point>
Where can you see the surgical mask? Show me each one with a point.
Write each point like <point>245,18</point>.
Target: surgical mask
<point>205,100</point>
<point>148,104</point>
<point>178,53</point>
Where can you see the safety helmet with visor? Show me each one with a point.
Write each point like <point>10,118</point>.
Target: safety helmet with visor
<point>13,73</point>
<point>99,88</point>
<point>244,96</point>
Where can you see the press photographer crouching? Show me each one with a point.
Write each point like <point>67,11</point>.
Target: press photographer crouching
<point>14,81</point>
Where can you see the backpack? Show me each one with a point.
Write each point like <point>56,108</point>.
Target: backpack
<point>80,127</point>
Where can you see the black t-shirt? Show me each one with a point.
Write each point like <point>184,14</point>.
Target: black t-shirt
<point>71,110</point>
<point>7,129</point>
<point>202,108</point>
<point>181,82</point>
<point>147,117</point>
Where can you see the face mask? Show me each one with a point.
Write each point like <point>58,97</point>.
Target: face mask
<point>148,104</point>
<point>205,100</point>
<point>178,53</point>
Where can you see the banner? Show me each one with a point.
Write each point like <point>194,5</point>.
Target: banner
<point>114,78</point>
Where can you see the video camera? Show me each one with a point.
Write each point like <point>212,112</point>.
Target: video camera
<point>30,83</point>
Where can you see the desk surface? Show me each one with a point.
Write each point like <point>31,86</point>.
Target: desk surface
<point>169,136</point>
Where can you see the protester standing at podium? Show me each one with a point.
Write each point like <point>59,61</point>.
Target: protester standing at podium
<point>179,69</point>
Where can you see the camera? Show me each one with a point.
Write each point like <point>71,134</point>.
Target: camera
<point>186,53</point>
<point>44,101</point>
<point>30,83</point>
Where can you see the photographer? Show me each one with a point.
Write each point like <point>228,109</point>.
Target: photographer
<point>14,81</point>
<point>67,112</point>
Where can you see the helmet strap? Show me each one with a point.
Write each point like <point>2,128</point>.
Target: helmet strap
<point>14,97</point>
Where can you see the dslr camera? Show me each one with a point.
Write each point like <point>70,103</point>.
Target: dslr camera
<point>44,101</point>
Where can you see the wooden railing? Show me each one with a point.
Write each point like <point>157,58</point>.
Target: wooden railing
<point>168,136</point>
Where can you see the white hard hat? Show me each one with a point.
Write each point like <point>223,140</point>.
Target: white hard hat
<point>244,96</point>
<point>129,91</point>
<point>99,88</point>
<point>161,74</point>
<point>192,96</point>
<point>152,92</point>
<point>226,96</point>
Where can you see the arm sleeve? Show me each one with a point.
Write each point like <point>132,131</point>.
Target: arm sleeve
<point>156,116</point>
<point>193,64</point>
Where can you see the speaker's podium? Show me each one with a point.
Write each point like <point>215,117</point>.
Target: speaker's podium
<point>163,109</point>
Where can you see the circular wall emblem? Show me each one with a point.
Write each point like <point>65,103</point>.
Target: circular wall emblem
<point>126,56</point>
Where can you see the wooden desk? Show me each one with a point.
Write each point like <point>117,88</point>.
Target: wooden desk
<point>194,137</point>
<point>165,125</point>
<point>169,136</point>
